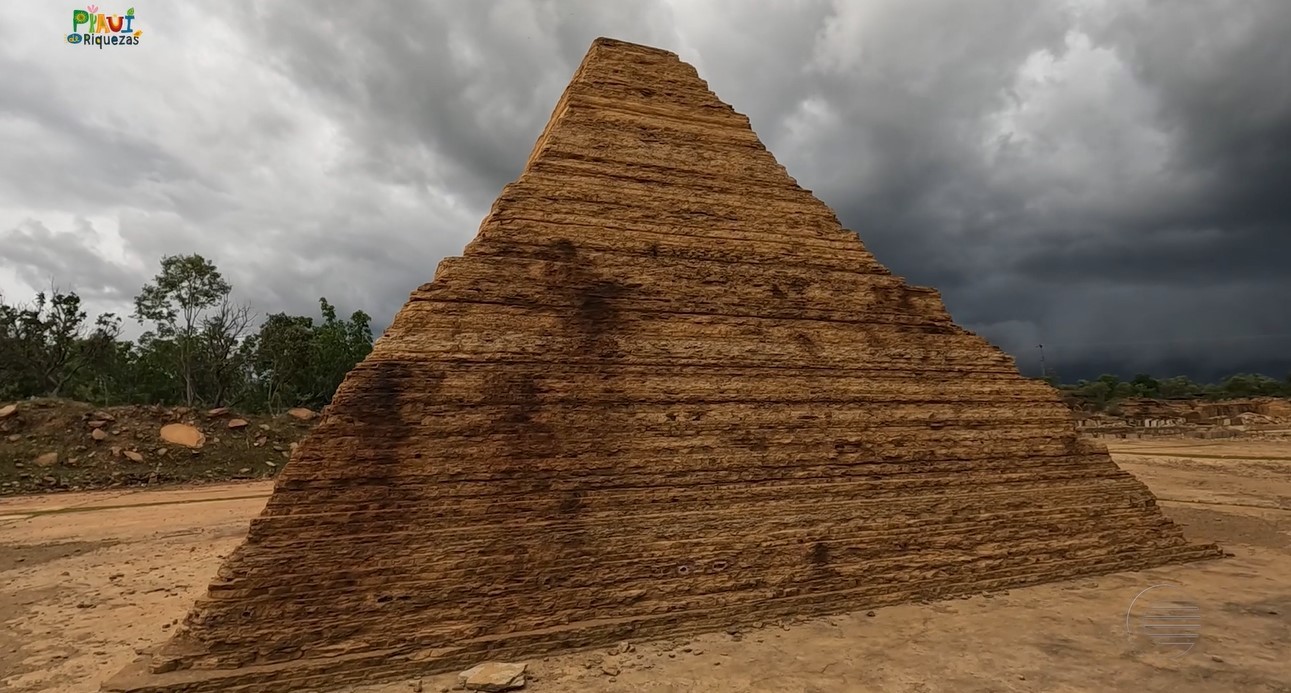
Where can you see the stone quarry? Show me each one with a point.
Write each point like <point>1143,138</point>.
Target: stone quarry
<point>662,392</point>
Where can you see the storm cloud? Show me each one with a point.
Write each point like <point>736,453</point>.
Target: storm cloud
<point>1105,178</point>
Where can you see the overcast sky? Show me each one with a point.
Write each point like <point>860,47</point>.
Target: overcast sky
<point>1108,177</point>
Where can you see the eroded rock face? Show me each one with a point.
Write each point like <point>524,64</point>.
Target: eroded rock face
<point>662,392</point>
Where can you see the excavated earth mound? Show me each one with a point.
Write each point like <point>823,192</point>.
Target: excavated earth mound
<point>662,392</point>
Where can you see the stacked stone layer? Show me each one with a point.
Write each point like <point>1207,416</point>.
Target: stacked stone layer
<point>662,392</point>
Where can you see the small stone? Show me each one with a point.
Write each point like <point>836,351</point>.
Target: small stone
<point>238,423</point>
<point>301,413</point>
<point>609,670</point>
<point>8,410</point>
<point>13,438</point>
<point>96,423</point>
<point>1272,612</point>
<point>218,411</point>
<point>1216,658</point>
<point>870,614</point>
<point>417,687</point>
<point>493,676</point>
<point>133,456</point>
<point>99,434</point>
<point>244,470</point>
<point>48,459</point>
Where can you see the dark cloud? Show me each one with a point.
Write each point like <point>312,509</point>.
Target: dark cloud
<point>1103,177</point>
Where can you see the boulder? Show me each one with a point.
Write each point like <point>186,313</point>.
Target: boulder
<point>183,434</point>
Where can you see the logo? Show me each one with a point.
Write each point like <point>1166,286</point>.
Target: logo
<point>93,28</point>
<point>1165,618</point>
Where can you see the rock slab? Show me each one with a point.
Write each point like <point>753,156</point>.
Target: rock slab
<point>492,677</point>
<point>183,434</point>
<point>662,392</point>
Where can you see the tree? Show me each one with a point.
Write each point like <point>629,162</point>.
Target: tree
<point>297,362</point>
<point>1178,387</point>
<point>1146,386</point>
<point>222,361</point>
<point>188,303</point>
<point>45,346</point>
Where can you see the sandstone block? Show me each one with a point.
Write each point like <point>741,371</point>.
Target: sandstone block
<point>183,434</point>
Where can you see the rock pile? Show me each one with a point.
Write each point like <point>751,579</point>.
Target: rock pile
<point>54,444</point>
<point>663,392</point>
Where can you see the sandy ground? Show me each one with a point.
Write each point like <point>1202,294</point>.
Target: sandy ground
<point>87,578</point>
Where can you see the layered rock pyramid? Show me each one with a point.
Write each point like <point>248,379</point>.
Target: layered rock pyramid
<point>663,391</point>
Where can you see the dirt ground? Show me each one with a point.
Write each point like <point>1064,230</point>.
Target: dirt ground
<point>85,578</point>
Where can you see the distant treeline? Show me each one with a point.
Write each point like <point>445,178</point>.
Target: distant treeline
<point>200,348</point>
<point>1106,390</point>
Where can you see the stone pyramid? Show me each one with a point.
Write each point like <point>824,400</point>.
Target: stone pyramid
<point>662,392</point>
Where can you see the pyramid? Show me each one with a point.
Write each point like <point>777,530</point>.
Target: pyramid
<point>662,392</point>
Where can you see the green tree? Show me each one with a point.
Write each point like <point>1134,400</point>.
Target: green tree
<point>1146,386</point>
<point>188,304</point>
<point>295,362</point>
<point>46,346</point>
<point>1179,387</point>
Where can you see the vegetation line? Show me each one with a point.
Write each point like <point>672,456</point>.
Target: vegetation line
<point>199,348</point>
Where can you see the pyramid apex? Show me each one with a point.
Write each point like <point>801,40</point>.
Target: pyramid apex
<point>613,43</point>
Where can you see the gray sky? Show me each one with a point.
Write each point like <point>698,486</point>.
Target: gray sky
<point>1106,176</point>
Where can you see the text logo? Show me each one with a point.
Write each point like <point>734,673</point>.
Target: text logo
<point>93,28</point>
